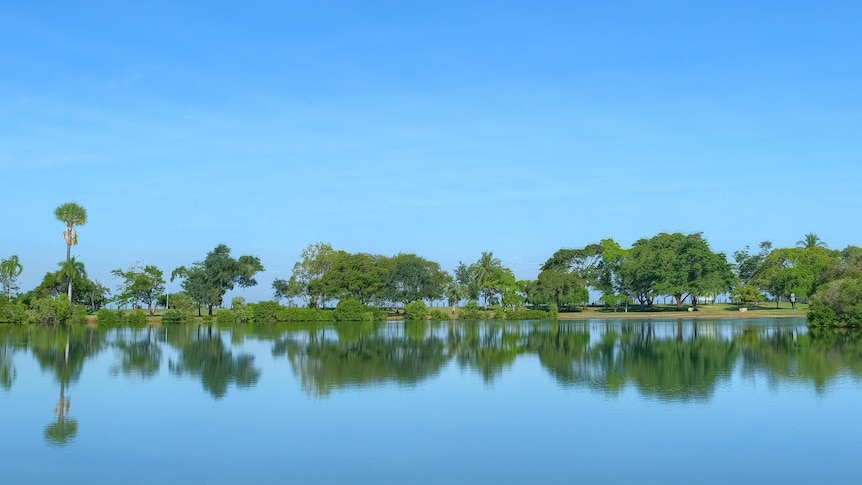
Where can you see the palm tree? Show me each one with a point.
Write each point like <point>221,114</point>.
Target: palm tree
<point>73,215</point>
<point>811,241</point>
<point>71,269</point>
<point>484,270</point>
<point>10,270</point>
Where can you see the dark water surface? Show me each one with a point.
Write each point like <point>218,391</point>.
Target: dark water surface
<point>611,401</point>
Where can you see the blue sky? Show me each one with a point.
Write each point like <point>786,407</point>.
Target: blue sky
<point>444,129</point>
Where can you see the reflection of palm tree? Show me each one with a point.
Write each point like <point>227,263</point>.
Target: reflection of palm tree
<point>72,269</point>
<point>811,241</point>
<point>63,351</point>
<point>65,429</point>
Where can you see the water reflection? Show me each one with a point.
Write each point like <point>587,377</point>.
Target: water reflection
<point>62,351</point>
<point>361,355</point>
<point>668,360</point>
<point>671,361</point>
<point>203,354</point>
<point>140,353</point>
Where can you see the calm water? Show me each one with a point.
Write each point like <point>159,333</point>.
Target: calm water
<point>706,401</point>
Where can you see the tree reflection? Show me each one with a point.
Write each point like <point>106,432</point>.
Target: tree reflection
<point>817,356</point>
<point>62,352</point>
<point>360,355</point>
<point>677,368</point>
<point>139,357</point>
<point>204,355</point>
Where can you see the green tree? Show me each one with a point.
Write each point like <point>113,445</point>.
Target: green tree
<point>141,284</point>
<point>289,289</point>
<point>207,281</point>
<point>837,303</point>
<point>679,265</point>
<point>811,241</point>
<point>71,269</point>
<point>797,271</point>
<point>72,215</point>
<point>748,265</point>
<point>314,262</point>
<point>561,287</point>
<point>414,278</point>
<point>10,270</point>
<point>484,271</point>
<point>361,276</point>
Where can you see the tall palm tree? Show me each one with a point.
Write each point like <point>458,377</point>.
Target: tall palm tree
<point>73,215</point>
<point>71,269</point>
<point>811,241</point>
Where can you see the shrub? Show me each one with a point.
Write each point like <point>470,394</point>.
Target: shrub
<point>12,311</point>
<point>304,315</point>
<point>837,304</point>
<point>351,310</point>
<point>525,314</point>
<point>499,313</point>
<point>415,310</point>
<point>136,318</point>
<point>110,318</point>
<point>266,312</point>
<point>56,311</point>
<point>553,311</point>
<point>173,316</point>
<point>438,314</point>
<point>225,317</point>
<point>471,311</point>
<point>207,319</point>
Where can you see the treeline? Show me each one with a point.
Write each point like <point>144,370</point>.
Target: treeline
<point>680,266</point>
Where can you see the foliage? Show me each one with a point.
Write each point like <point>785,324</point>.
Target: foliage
<point>225,316</point>
<point>553,311</point>
<point>416,310</point>
<point>71,270</point>
<point>746,294</point>
<point>56,311</point>
<point>266,312</point>
<point>526,314</point>
<point>72,215</point>
<point>207,281</point>
<point>679,265</point>
<point>499,313</point>
<point>359,276</point>
<point>315,261</point>
<point>141,284</point>
<point>109,318</point>
<point>12,311</point>
<point>438,314</point>
<point>471,311</point>
<point>136,318</point>
<point>305,315</point>
<point>837,303</point>
<point>184,304</point>
<point>413,278</point>
<point>614,300</point>
<point>173,317</point>
<point>796,271</point>
<point>748,266</point>
<point>91,294</point>
<point>560,287</point>
<point>10,270</point>
<point>352,310</point>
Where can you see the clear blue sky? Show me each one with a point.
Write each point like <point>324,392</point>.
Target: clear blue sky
<point>444,129</point>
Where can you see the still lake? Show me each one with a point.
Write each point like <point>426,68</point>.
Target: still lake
<point>602,401</point>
